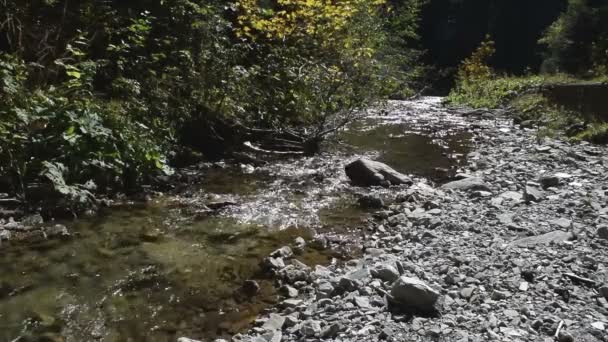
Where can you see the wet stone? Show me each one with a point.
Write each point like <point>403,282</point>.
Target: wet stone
<point>251,288</point>
<point>365,172</point>
<point>371,202</point>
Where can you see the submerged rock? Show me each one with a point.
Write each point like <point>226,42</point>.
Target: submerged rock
<point>371,202</point>
<point>365,172</point>
<point>250,288</point>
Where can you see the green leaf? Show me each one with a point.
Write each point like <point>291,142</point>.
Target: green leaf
<point>74,74</point>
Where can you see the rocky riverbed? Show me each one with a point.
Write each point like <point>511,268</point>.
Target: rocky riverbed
<point>514,248</point>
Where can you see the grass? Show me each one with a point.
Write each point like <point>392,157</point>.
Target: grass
<point>596,133</point>
<point>520,94</point>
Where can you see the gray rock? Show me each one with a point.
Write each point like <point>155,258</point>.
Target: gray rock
<point>292,303</point>
<point>412,294</point>
<point>284,252</point>
<point>467,292</point>
<point>291,321</point>
<point>274,322</point>
<point>32,220</point>
<point>532,194</point>
<point>545,239</point>
<point>288,291</point>
<point>468,184</point>
<point>563,223</point>
<point>332,331</point>
<point>604,291</point>
<point>5,235</point>
<point>385,273</point>
<point>294,273</point>
<point>185,339</point>
<point>602,232</point>
<point>499,295</point>
<point>371,202</point>
<point>272,264</point>
<point>362,302</point>
<point>300,243</point>
<point>310,328</point>
<point>324,289</point>
<point>397,219</point>
<point>548,181</point>
<point>365,172</point>
<point>321,272</point>
<point>564,336</point>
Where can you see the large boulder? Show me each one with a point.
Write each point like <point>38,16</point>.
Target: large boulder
<point>365,172</point>
<point>414,295</point>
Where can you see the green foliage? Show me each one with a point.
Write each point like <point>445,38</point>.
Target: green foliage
<point>94,92</point>
<point>67,136</point>
<point>577,42</point>
<point>476,67</point>
<point>492,92</point>
<point>597,133</point>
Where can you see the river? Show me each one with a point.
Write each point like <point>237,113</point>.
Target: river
<point>168,268</point>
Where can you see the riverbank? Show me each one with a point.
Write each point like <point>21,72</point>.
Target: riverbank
<point>517,255</point>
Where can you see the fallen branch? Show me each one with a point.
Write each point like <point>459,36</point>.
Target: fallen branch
<point>579,279</point>
<point>250,146</point>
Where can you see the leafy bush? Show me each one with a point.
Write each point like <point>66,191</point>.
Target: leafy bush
<point>97,92</point>
<point>493,92</point>
<point>65,135</point>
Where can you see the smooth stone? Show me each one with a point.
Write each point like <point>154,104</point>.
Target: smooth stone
<point>468,184</point>
<point>365,172</point>
<point>371,202</point>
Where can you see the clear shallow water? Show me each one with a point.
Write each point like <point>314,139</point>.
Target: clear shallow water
<point>167,269</point>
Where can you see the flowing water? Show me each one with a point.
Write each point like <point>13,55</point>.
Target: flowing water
<point>168,268</point>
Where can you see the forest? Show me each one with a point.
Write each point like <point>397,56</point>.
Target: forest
<point>102,96</point>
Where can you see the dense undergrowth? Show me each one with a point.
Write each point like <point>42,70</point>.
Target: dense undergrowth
<point>95,96</point>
